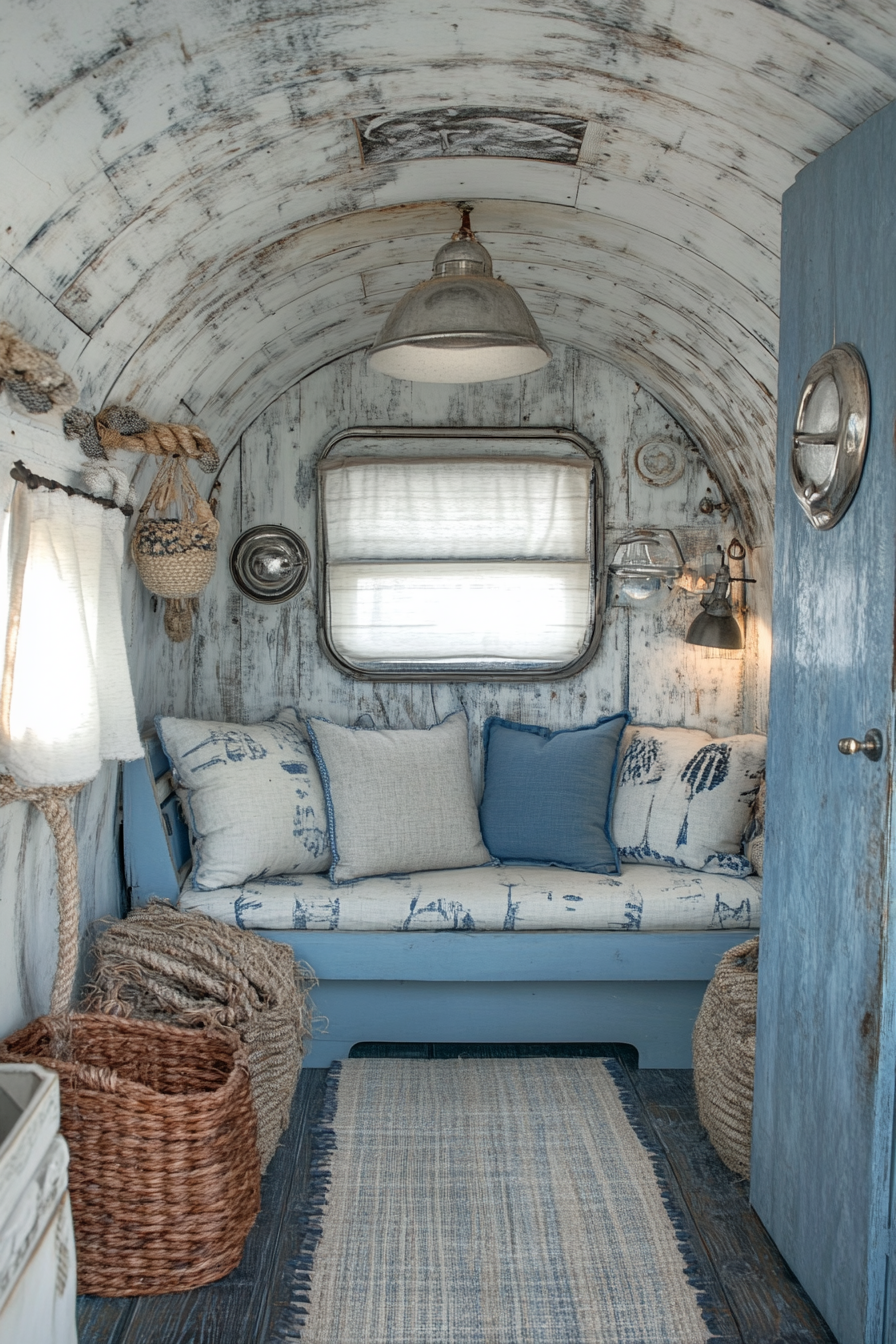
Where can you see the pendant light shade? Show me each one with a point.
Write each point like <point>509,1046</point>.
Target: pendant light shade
<point>460,326</point>
<point>716,627</point>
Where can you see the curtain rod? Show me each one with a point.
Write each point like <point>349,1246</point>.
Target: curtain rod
<point>21,473</point>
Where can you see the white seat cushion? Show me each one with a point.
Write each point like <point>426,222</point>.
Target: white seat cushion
<point>517,897</point>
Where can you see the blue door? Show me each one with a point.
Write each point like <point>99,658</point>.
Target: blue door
<point>823,1115</point>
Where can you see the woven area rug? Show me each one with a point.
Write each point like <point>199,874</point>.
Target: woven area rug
<point>489,1201</point>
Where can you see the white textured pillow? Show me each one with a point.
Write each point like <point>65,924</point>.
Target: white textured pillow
<point>398,800</point>
<point>255,803</point>
<point>683,798</point>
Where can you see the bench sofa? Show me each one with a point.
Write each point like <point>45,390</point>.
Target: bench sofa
<point>509,953</point>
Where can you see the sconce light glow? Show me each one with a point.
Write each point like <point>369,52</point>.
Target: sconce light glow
<point>462,325</point>
<point>716,627</point>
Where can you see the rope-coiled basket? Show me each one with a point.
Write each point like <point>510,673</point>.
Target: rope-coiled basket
<point>164,1175</point>
<point>175,557</point>
<point>185,967</point>
<point>725,1055</point>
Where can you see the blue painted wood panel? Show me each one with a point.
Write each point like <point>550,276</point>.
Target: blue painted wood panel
<point>588,955</point>
<point>656,1017</point>
<point>823,1120</point>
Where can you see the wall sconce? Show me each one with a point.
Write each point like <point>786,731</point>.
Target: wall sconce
<point>645,566</point>
<point>463,325</point>
<point>717,627</point>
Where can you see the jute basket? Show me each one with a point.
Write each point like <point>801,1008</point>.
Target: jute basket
<point>164,1175</point>
<point>185,967</point>
<point>175,557</point>
<point>725,1055</point>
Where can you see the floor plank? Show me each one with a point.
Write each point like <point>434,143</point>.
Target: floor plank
<point>768,1303</point>
<point>755,1298</point>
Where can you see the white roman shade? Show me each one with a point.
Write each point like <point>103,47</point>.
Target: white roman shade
<point>479,564</point>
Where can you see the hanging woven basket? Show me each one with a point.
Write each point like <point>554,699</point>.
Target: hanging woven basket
<point>725,1055</point>
<point>176,556</point>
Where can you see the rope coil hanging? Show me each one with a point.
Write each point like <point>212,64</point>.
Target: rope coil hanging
<point>52,801</point>
<point>33,376</point>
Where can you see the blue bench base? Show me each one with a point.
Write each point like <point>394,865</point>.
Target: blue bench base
<point>641,989</point>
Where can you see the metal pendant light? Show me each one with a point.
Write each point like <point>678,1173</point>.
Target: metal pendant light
<point>462,325</point>
<point>716,627</point>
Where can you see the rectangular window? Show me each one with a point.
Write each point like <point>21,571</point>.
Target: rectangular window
<point>479,565</point>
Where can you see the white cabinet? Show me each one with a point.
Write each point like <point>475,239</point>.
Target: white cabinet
<point>37,1245</point>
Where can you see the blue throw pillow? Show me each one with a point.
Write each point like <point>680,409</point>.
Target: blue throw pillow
<point>548,796</point>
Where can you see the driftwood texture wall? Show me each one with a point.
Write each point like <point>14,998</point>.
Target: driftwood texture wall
<point>246,659</point>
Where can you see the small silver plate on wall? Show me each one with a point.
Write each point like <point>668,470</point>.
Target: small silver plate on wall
<point>830,436</point>
<point>269,563</point>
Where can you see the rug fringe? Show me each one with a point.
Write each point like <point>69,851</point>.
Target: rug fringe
<point>294,1316</point>
<point>660,1164</point>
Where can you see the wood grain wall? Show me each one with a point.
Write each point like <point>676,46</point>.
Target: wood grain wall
<point>28,918</point>
<point>247,659</point>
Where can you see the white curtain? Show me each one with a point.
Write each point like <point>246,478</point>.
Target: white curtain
<point>446,561</point>
<point>66,702</point>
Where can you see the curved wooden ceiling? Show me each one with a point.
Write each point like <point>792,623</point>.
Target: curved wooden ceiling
<point>205,200</point>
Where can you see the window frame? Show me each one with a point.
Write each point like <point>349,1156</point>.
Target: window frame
<point>438,672</point>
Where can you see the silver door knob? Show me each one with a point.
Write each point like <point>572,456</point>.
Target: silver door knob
<point>872,747</point>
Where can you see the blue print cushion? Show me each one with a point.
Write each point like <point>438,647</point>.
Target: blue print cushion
<point>255,802</point>
<point>684,798</point>
<point>548,796</point>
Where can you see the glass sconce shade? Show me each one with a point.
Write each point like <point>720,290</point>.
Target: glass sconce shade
<point>645,566</point>
<point>462,325</point>
<point>716,627</point>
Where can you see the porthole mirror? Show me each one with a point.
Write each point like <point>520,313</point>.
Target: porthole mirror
<point>269,563</point>
<point>830,436</point>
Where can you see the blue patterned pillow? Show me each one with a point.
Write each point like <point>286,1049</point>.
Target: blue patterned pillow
<point>255,802</point>
<point>548,796</point>
<point>684,798</point>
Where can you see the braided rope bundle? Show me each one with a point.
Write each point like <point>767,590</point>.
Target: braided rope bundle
<point>123,427</point>
<point>161,963</point>
<point>52,800</point>
<point>34,377</point>
<point>725,1055</point>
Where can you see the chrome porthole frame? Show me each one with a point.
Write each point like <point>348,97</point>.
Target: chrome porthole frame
<point>825,501</point>
<point>270,563</point>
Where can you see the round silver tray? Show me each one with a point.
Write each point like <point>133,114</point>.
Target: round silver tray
<point>269,563</point>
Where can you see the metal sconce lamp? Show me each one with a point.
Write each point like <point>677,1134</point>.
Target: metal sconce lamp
<point>462,325</point>
<point>717,627</point>
<point>646,564</point>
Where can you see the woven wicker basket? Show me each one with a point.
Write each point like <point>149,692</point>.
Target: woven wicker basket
<point>725,1055</point>
<point>175,557</point>
<point>183,573</point>
<point>164,1176</point>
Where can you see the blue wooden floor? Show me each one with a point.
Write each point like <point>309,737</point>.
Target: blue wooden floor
<point>756,1296</point>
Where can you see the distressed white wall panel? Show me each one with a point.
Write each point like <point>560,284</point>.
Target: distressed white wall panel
<point>277,660</point>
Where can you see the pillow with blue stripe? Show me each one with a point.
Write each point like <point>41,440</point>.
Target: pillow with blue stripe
<point>684,798</point>
<point>255,804</point>
<point>548,795</point>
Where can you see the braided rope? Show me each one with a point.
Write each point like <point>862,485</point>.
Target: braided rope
<point>52,800</point>
<point>35,377</point>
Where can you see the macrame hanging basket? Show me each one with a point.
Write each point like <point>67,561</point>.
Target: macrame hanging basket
<point>175,556</point>
<point>725,1055</point>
